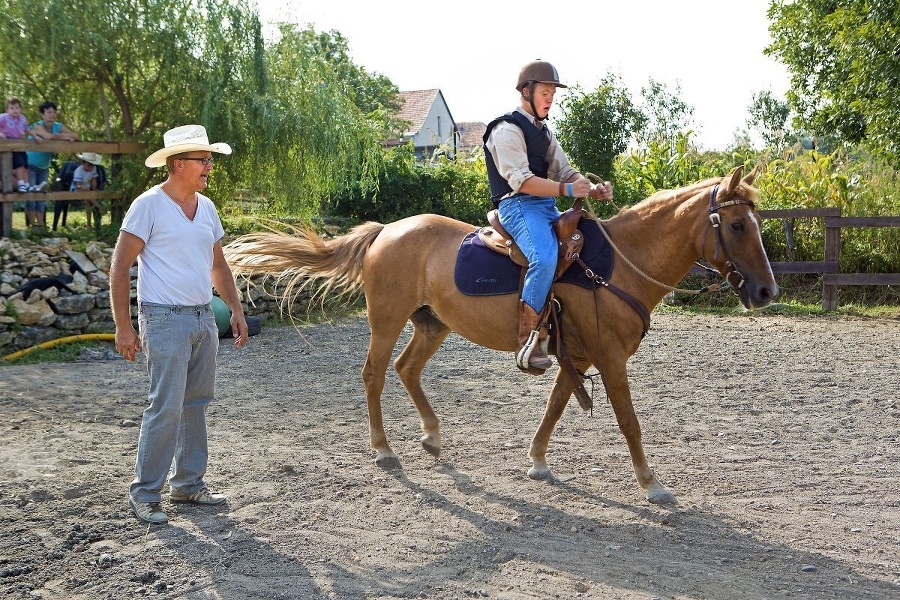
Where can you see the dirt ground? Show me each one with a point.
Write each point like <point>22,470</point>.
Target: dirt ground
<point>780,437</point>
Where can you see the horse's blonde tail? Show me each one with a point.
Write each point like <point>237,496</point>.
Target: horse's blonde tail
<point>303,258</point>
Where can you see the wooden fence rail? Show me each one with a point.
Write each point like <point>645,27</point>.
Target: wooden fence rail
<point>830,267</point>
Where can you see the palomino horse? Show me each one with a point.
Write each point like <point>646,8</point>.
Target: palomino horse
<point>406,270</point>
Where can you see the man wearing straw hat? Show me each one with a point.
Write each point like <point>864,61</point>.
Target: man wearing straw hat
<point>174,233</point>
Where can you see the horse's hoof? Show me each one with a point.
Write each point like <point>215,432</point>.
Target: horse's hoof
<point>387,461</point>
<point>540,474</point>
<point>432,445</point>
<point>431,449</point>
<point>661,496</point>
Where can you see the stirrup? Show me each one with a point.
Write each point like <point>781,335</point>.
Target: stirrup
<point>523,356</point>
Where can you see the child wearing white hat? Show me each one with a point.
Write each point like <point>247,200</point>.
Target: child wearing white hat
<point>86,179</point>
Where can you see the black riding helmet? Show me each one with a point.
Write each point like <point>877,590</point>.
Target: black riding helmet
<point>537,71</point>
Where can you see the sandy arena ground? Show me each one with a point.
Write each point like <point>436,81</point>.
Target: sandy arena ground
<point>779,436</point>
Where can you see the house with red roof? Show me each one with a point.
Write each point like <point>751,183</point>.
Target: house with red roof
<point>429,124</point>
<point>430,127</point>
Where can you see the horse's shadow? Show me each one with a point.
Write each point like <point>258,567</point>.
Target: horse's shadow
<point>592,551</point>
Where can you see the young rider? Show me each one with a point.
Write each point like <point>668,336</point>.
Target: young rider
<point>527,169</point>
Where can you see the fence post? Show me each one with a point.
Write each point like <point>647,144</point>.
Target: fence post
<point>832,255</point>
<point>7,183</point>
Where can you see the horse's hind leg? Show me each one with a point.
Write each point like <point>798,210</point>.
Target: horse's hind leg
<point>428,335</point>
<point>383,338</point>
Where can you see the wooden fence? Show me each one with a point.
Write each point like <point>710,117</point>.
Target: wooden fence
<point>830,266</point>
<point>8,183</point>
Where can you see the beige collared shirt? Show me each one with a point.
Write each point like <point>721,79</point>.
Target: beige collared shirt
<point>507,145</point>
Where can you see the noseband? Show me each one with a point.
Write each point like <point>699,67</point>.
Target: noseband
<point>734,277</point>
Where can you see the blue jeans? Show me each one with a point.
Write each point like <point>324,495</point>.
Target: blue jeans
<point>36,176</point>
<point>529,220</point>
<point>180,343</point>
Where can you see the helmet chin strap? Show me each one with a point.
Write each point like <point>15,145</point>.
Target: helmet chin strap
<point>534,111</point>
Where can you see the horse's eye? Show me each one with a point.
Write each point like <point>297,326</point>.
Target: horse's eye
<point>737,226</point>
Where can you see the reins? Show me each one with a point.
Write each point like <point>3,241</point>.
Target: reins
<point>714,223</point>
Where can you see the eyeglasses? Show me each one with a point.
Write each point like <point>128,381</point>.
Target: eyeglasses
<point>205,161</point>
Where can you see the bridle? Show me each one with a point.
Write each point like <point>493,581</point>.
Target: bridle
<point>734,277</point>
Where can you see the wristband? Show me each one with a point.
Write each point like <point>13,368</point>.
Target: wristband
<point>569,190</point>
<point>562,189</point>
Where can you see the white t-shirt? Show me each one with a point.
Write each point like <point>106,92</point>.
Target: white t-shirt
<point>174,266</point>
<point>84,176</point>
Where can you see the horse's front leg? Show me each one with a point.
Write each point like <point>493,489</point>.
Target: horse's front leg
<point>556,403</point>
<point>615,379</point>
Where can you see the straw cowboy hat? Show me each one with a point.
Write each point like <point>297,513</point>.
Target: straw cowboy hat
<point>187,138</point>
<point>91,157</point>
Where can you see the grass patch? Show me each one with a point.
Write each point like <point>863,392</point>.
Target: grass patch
<point>787,308</point>
<point>62,353</point>
<point>75,229</point>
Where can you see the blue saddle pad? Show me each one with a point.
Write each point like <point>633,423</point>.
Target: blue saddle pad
<point>481,271</point>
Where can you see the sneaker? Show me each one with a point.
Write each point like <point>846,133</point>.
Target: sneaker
<point>148,512</point>
<point>204,497</point>
<point>38,188</point>
<point>23,187</point>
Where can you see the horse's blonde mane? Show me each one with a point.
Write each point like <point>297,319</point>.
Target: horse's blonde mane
<point>679,193</point>
<point>662,198</point>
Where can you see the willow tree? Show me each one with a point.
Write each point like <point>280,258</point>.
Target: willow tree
<point>130,69</point>
<point>324,116</point>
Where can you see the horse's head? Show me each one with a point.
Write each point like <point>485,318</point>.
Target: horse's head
<point>733,243</point>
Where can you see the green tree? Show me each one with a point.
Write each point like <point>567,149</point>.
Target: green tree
<point>768,117</point>
<point>129,70</point>
<point>666,114</point>
<point>845,68</point>
<point>319,126</point>
<point>595,127</point>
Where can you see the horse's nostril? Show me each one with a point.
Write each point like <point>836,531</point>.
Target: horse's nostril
<point>767,293</point>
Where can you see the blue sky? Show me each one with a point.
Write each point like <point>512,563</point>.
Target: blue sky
<point>473,50</point>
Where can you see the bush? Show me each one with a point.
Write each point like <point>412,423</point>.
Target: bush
<point>858,185</point>
<point>406,187</point>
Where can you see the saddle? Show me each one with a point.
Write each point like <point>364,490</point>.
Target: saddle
<point>570,241</point>
<point>569,237</point>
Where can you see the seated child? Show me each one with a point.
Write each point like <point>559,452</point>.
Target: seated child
<point>86,178</point>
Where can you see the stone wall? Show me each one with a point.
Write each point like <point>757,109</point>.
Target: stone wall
<point>82,308</point>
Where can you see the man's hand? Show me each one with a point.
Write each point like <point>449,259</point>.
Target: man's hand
<point>602,191</point>
<point>127,342</point>
<point>240,330</point>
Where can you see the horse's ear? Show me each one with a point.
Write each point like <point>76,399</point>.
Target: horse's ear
<point>751,176</point>
<point>735,179</point>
